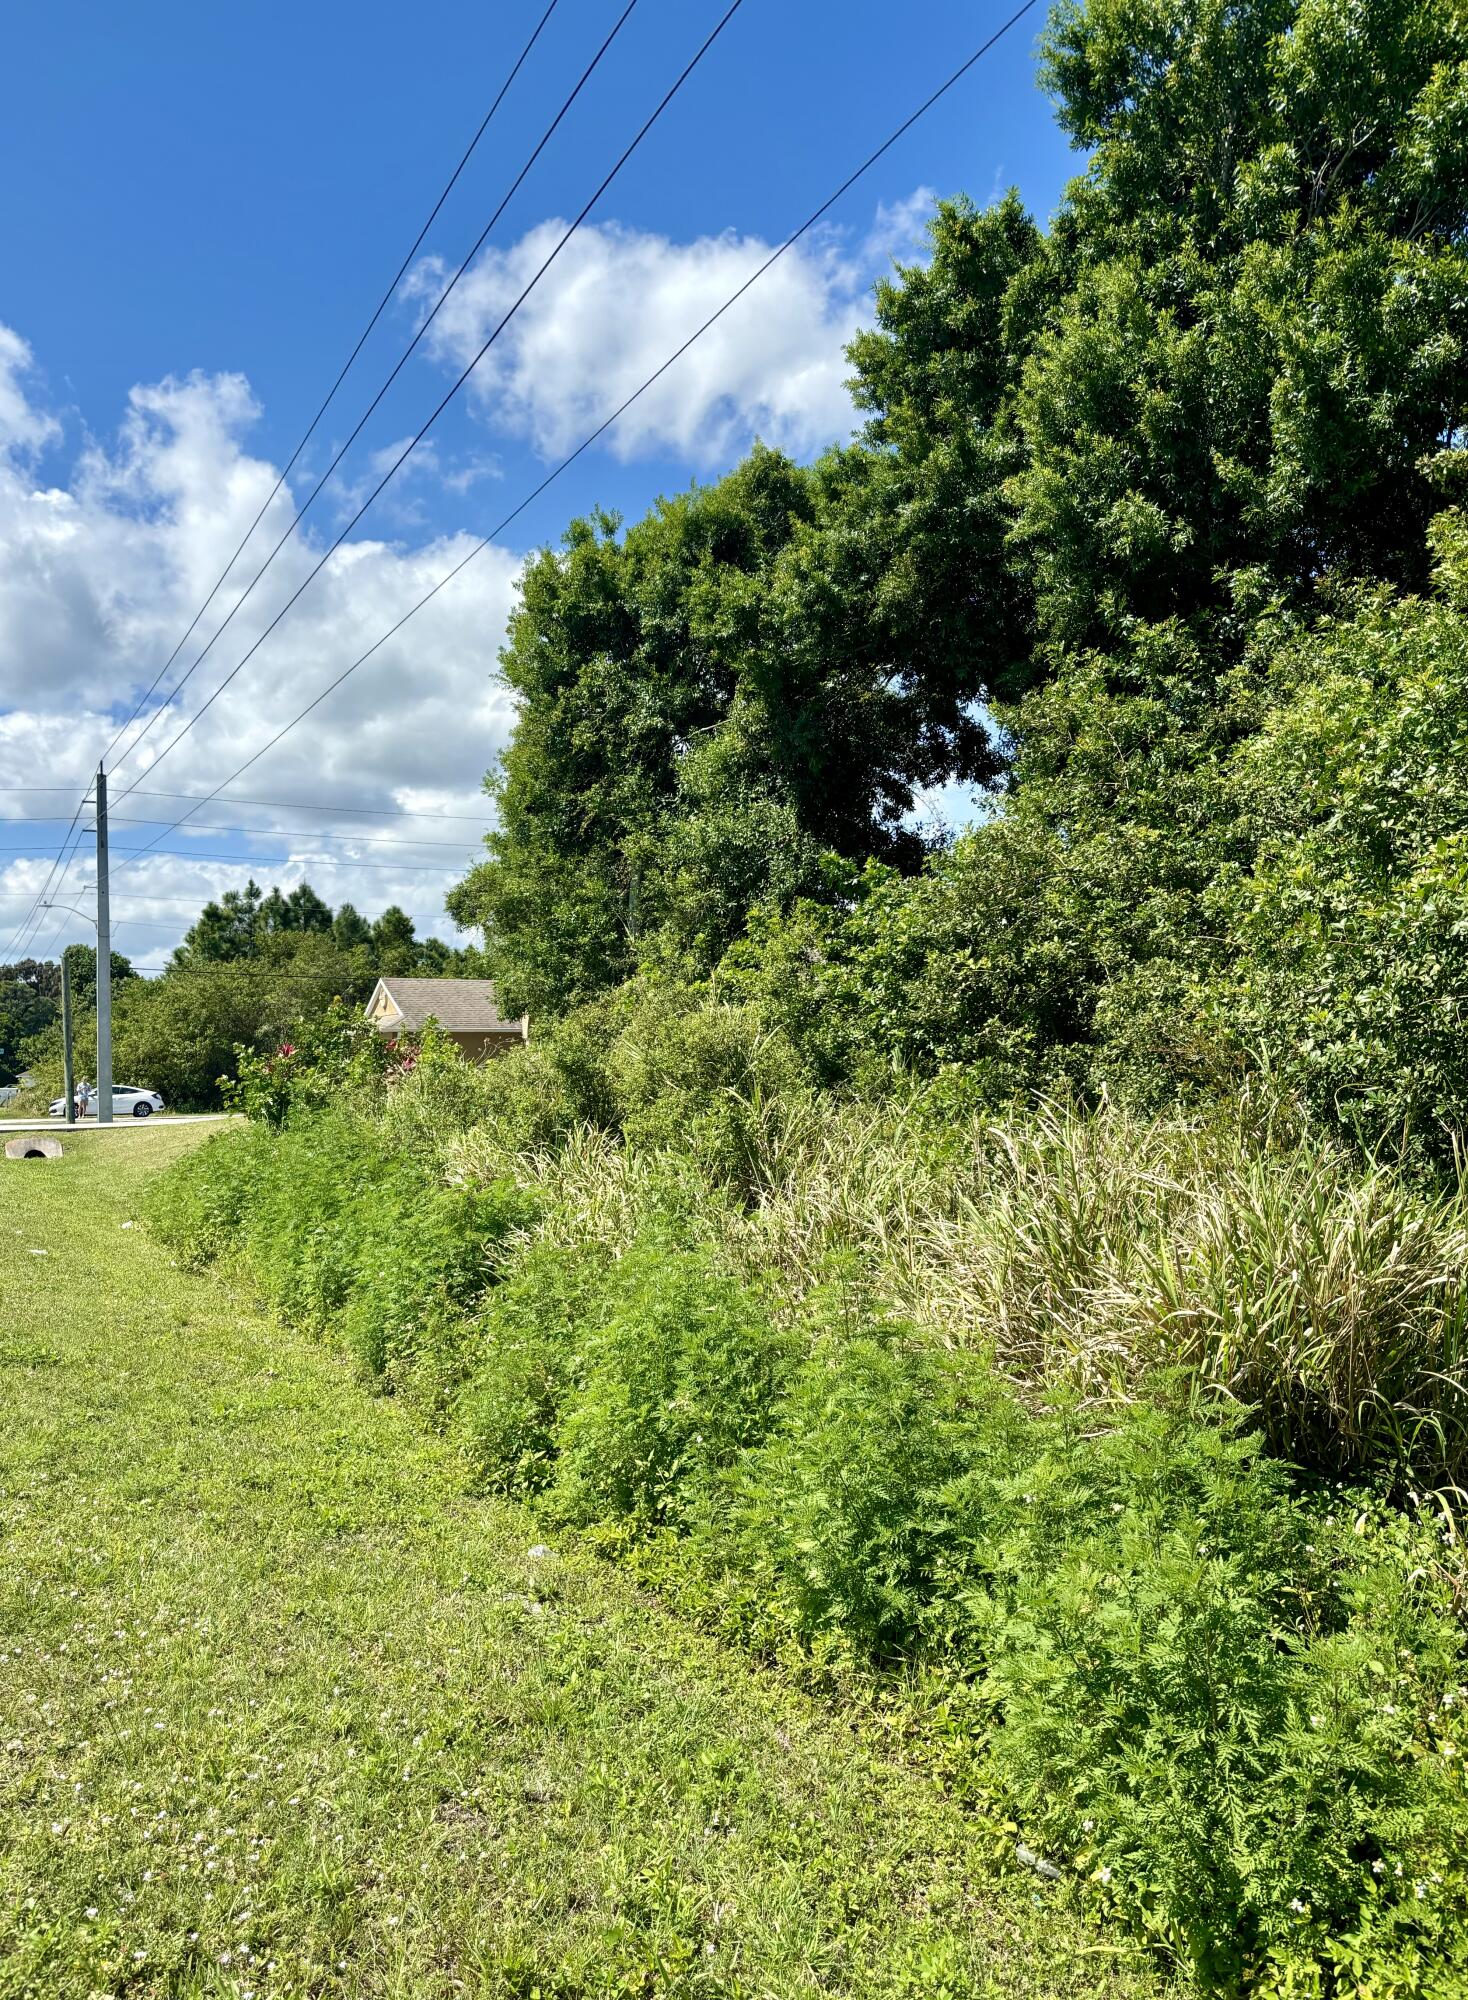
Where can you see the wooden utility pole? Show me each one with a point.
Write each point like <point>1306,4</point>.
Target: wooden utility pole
<point>104,962</point>
<point>67,1071</point>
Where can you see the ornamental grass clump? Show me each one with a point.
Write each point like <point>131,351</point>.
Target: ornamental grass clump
<point>1329,1299</point>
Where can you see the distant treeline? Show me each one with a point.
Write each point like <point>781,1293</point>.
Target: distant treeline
<point>252,965</point>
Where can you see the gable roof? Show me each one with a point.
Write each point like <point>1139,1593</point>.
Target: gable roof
<point>460,1006</point>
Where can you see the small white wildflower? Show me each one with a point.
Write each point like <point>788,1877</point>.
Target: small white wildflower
<point>1378,1868</point>
<point>1297,1906</point>
<point>1419,1890</point>
<point>91,1913</point>
<point>1088,1825</point>
<point>1105,1875</point>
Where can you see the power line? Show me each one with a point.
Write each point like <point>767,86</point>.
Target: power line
<point>310,429</point>
<point>443,404</point>
<point>325,806</point>
<point>236,968</point>
<point>288,832</point>
<point>622,408</point>
<point>30,921</point>
<point>282,805</point>
<point>371,407</point>
<point>290,860</point>
<point>262,832</point>
<point>461,848</point>
<point>186,903</point>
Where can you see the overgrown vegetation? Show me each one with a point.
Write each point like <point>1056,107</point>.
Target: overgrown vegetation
<point>284,1711</point>
<point>1101,1447</point>
<point>1173,488</point>
<point>1020,1281</point>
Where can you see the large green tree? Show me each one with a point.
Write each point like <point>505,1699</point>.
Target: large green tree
<point>30,1001</point>
<point>1105,467</point>
<point>707,704</point>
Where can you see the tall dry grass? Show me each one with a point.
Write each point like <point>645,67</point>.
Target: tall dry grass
<point>1092,1248</point>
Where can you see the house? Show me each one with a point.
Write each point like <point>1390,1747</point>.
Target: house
<point>465,1009</point>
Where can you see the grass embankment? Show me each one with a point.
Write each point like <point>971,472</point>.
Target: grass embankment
<point>1094,1450</point>
<point>281,1712</point>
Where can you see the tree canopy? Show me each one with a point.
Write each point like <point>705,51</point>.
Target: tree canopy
<point>1103,468</point>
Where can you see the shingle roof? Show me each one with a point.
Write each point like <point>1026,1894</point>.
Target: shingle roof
<point>460,1006</point>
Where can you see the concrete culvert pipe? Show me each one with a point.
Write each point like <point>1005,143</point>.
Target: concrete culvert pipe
<point>31,1148</point>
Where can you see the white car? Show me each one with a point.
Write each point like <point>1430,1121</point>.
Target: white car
<point>127,1101</point>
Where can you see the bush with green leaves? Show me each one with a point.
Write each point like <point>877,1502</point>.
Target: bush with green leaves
<point>1228,1710</point>
<point>832,1521</point>
<point>1351,958</point>
<point>1214,1699</point>
<point>203,1208</point>
<point>679,1372</point>
<point>343,1232</point>
<point>528,1338</point>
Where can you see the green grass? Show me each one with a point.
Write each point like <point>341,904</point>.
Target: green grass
<point>282,1712</point>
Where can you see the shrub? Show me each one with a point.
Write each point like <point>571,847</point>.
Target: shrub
<point>679,1374</point>
<point>340,1230</point>
<point>200,1208</point>
<point>528,1336</point>
<point>1349,962</point>
<point>1224,1707</point>
<point>835,1517</point>
<point>312,1067</point>
<point>1204,1693</point>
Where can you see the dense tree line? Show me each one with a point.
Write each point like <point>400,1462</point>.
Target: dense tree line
<point>254,964</point>
<point>1154,530</point>
<point>30,999</point>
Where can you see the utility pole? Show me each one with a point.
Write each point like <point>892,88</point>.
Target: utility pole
<point>67,1071</point>
<point>104,962</point>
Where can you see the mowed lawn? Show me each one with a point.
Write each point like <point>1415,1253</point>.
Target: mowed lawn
<point>283,1711</point>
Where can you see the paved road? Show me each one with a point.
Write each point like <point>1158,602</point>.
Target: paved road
<point>123,1122</point>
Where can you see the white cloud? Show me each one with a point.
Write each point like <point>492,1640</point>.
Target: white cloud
<point>899,229</point>
<point>100,573</point>
<point>618,301</point>
<point>23,428</point>
<point>99,577</point>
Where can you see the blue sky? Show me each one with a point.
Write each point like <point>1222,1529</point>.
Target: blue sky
<point>213,201</point>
